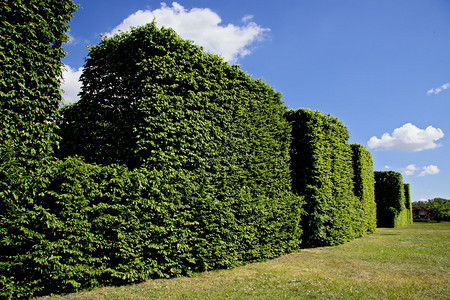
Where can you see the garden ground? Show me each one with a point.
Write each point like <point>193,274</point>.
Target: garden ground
<point>410,262</point>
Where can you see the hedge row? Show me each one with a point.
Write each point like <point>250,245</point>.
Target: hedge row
<point>408,203</point>
<point>393,199</point>
<point>364,187</point>
<point>339,205</point>
<point>204,181</point>
<point>70,225</point>
<point>185,162</point>
<point>31,35</point>
<point>164,104</point>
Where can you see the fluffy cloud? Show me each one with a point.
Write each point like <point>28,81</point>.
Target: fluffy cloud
<point>71,84</point>
<point>410,170</point>
<point>439,89</point>
<point>408,138</point>
<point>202,26</point>
<point>429,170</point>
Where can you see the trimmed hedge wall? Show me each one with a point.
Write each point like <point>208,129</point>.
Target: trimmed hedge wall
<point>184,163</point>
<point>69,225</point>
<point>203,181</point>
<point>408,203</point>
<point>164,104</point>
<point>322,170</point>
<point>31,37</point>
<point>393,201</point>
<point>364,186</point>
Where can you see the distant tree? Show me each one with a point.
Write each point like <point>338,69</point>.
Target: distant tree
<point>439,209</point>
<point>419,203</point>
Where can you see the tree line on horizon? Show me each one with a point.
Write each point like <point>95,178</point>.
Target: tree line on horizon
<point>438,209</point>
<point>172,162</point>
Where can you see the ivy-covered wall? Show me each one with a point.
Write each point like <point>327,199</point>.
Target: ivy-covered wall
<point>322,170</point>
<point>392,198</point>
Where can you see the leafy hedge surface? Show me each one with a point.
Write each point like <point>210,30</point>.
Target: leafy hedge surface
<point>393,209</point>
<point>187,162</point>
<point>152,99</point>
<point>322,172</point>
<point>70,225</point>
<point>30,55</point>
<point>408,203</point>
<point>364,186</point>
<point>205,182</point>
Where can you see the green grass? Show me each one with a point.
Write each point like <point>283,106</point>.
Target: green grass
<point>411,262</point>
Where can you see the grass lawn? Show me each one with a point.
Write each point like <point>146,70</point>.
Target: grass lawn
<point>411,262</point>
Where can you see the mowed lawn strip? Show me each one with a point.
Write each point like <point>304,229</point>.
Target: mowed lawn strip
<point>410,262</point>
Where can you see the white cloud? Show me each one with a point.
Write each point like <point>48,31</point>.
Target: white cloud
<point>247,18</point>
<point>410,170</point>
<point>429,170</point>
<point>202,26</point>
<point>71,84</point>
<point>439,89</point>
<point>408,138</point>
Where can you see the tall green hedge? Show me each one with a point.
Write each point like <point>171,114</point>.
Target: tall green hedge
<point>31,37</point>
<point>393,203</point>
<point>185,162</point>
<point>408,203</point>
<point>322,172</point>
<point>188,171</point>
<point>364,186</point>
<point>32,33</point>
<point>152,99</point>
<point>70,225</point>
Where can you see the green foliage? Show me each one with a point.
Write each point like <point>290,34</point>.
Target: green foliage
<point>187,162</point>
<point>439,209</point>
<point>188,171</point>
<point>393,200</point>
<point>364,187</point>
<point>31,35</point>
<point>408,204</point>
<point>322,172</point>
<point>69,225</point>
<point>164,104</point>
<point>30,53</point>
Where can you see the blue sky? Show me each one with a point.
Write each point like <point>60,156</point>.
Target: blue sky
<point>381,66</point>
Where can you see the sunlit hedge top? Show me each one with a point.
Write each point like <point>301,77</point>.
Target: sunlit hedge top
<point>151,97</point>
<point>153,100</point>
